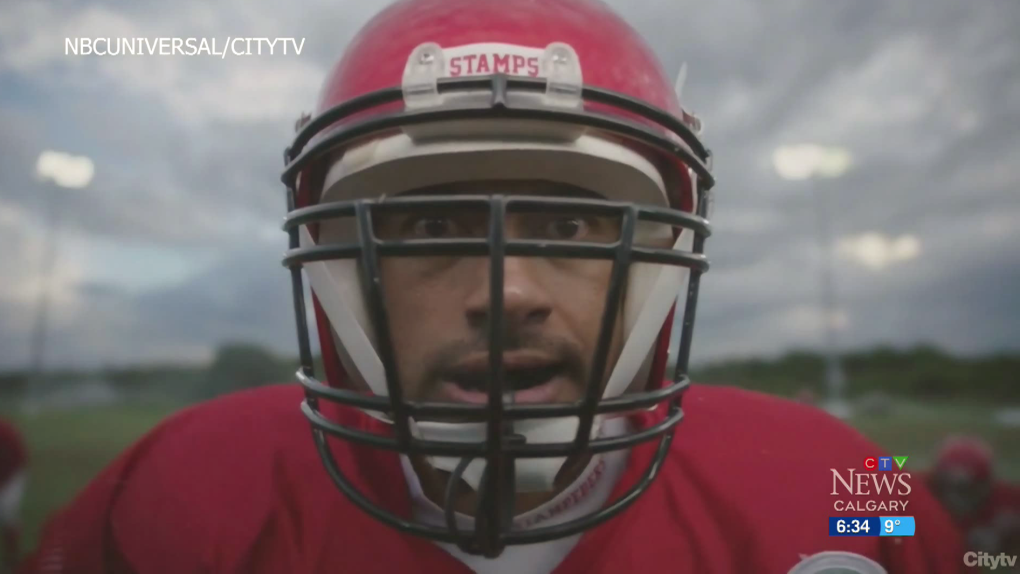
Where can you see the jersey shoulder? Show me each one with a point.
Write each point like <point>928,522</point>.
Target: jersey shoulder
<point>255,416</point>
<point>732,438</point>
<point>194,492</point>
<point>224,437</point>
<point>768,428</point>
<point>762,470</point>
<point>231,485</point>
<point>215,471</point>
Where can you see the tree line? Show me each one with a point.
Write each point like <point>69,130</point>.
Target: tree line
<point>923,372</point>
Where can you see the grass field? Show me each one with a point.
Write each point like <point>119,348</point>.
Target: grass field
<point>915,430</point>
<point>69,447</point>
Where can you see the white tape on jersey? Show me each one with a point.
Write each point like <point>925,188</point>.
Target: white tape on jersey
<point>11,495</point>
<point>837,562</point>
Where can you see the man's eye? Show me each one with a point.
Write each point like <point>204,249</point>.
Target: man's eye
<point>565,228</point>
<point>432,228</point>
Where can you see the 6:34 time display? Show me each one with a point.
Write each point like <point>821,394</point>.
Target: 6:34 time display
<point>853,526</point>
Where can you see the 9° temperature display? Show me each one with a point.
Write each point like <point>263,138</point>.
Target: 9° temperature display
<point>871,526</point>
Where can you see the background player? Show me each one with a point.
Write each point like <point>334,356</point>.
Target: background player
<point>13,478</point>
<point>985,508</point>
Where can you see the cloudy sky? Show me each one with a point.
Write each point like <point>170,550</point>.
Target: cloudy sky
<point>173,245</point>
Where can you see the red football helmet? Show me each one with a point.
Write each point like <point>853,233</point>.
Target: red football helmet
<point>434,92</point>
<point>965,454</point>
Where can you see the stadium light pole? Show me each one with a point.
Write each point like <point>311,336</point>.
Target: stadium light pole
<point>814,164</point>
<point>51,222</point>
<point>59,171</point>
<point>835,376</point>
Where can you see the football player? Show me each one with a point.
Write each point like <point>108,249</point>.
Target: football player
<point>986,509</point>
<point>495,206</point>
<point>13,476</point>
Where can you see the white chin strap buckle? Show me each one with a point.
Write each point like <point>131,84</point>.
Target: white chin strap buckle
<point>530,474</point>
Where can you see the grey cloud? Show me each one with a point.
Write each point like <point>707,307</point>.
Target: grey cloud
<point>244,295</point>
<point>761,70</point>
<point>156,182</point>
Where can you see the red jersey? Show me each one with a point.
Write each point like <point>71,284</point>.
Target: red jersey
<point>235,486</point>
<point>995,527</point>
<point>998,524</point>
<point>13,459</point>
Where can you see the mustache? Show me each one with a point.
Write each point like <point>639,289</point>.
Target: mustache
<point>443,362</point>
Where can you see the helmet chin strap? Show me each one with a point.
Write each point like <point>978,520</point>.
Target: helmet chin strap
<point>531,474</point>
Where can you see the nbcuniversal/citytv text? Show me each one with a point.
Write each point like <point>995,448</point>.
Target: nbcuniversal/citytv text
<point>174,46</point>
<point>877,487</point>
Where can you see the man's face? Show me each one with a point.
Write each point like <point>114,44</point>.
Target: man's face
<point>439,307</point>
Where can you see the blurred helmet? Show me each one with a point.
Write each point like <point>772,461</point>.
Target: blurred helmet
<point>434,92</point>
<point>967,455</point>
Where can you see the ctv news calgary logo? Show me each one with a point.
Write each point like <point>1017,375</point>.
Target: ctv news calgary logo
<point>877,487</point>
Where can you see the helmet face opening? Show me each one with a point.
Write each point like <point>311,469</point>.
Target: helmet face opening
<point>499,447</point>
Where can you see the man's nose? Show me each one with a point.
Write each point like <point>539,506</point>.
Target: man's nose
<point>526,300</point>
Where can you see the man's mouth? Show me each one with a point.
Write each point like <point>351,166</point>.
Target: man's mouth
<point>531,378</point>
